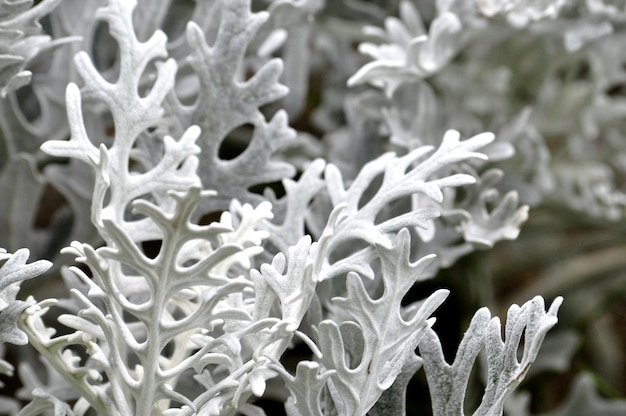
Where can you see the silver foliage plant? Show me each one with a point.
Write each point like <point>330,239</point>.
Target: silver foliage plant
<point>199,273</point>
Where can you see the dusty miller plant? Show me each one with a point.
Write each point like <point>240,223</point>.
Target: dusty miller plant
<point>222,257</point>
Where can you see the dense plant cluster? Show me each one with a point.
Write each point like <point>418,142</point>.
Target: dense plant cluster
<point>310,207</point>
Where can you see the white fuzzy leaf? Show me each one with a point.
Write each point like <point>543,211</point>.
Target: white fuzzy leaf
<point>448,382</point>
<point>388,339</point>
